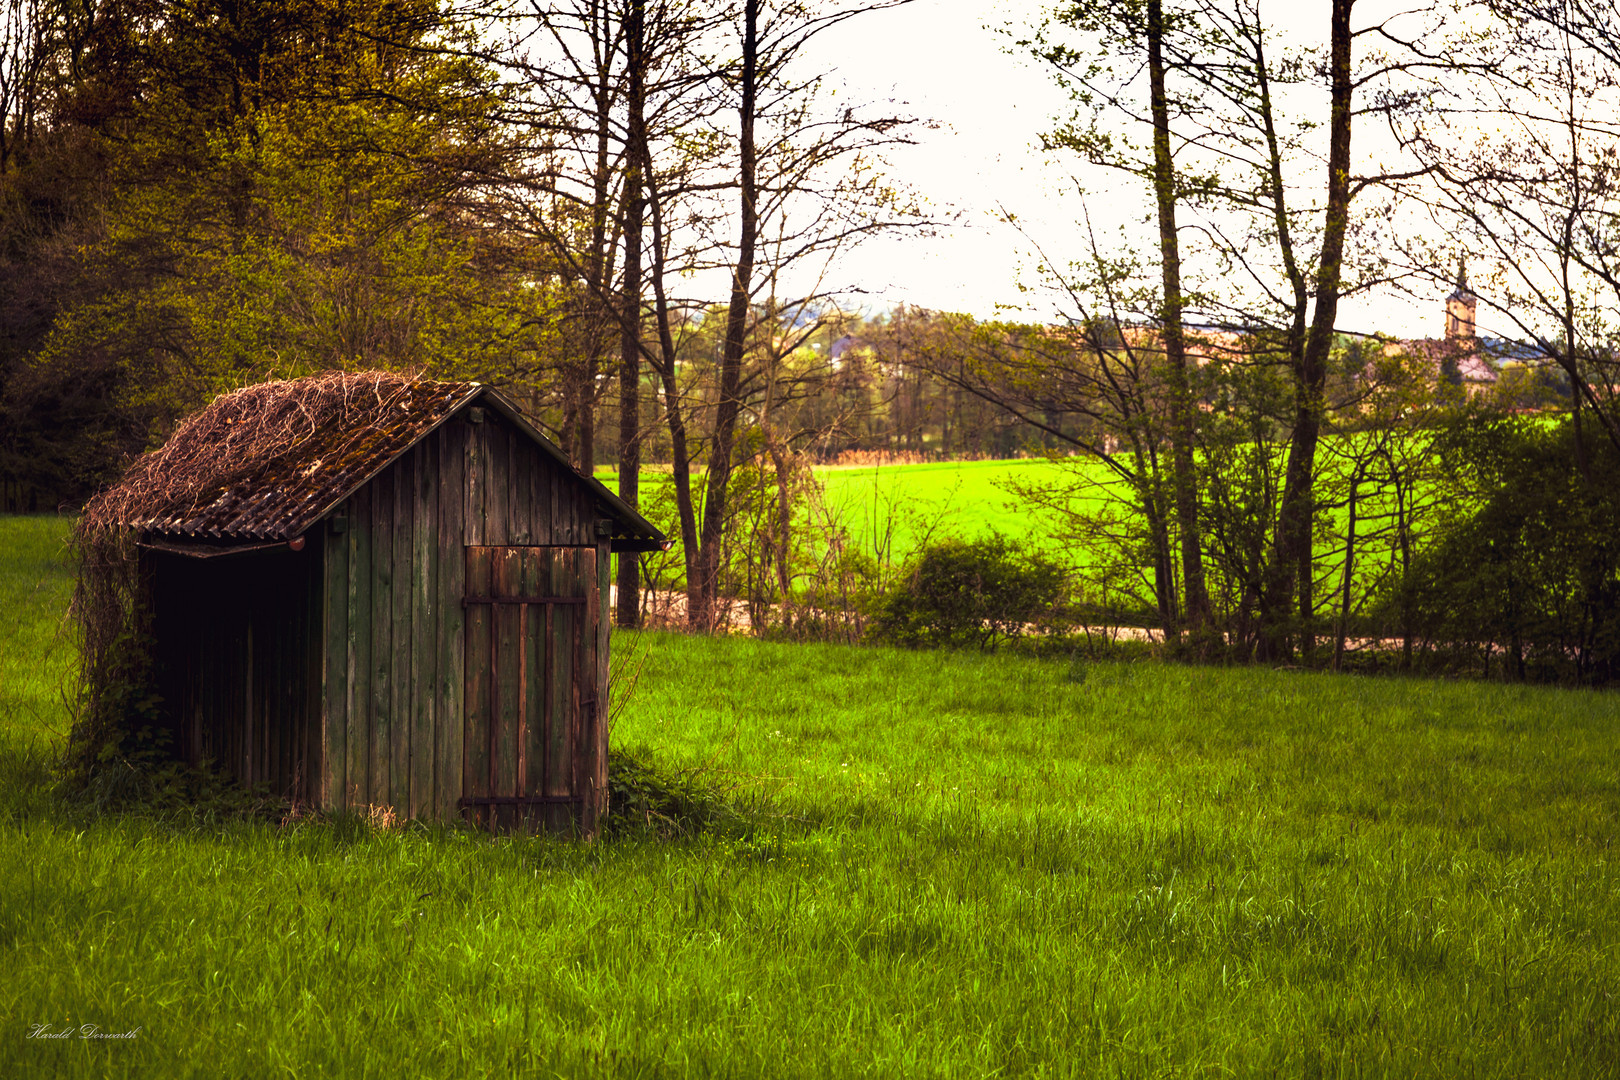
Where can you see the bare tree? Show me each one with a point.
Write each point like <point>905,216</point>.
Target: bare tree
<point>630,313</point>
<point>567,63</point>
<point>1527,164</point>
<point>1269,190</point>
<point>25,53</point>
<point>609,85</point>
<point>1106,91</point>
<point>805,188</point>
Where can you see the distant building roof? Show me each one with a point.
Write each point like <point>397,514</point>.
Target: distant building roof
<point>1474,362</point>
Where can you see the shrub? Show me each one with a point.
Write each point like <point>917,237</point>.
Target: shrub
<point>970,593</point>
<point>1527,566</point>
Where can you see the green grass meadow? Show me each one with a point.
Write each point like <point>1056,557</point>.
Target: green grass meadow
<point>957,498</point>
<point>889,511</point>
<point>35,660</point>
<point>947,865</point>
<point>894,507</point>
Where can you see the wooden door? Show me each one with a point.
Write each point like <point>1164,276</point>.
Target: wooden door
<point>532,620</point>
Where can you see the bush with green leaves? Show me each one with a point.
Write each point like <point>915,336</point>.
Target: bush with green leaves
<point>1525,568</point>
<point>970,593</point>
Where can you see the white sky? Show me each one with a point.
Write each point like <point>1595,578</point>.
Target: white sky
<point>944,60</point>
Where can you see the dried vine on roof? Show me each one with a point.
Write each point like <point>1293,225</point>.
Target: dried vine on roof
<point>257,437</point>
<point>260,438</point>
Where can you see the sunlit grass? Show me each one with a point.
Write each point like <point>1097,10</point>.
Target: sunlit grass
<point>959,866</point>
<point>957,498</point>
<point>890,509</point>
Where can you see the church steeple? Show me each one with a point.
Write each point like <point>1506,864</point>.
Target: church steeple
<point>1460,307</point>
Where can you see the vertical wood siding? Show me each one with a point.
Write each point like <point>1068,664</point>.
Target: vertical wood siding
<point>451,570</point>
<point>597,763</point>
<point>531,686</point>
<point>397,643</point>
<point>351,675</point>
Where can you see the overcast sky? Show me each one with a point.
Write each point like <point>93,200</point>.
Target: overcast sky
<point>945,61</point>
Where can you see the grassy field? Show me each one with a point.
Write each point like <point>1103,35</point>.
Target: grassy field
<point>890,509</point>
<point>899,504</point>
<point>34,661</point>
<point>960,498</point>
<point>951,865</point>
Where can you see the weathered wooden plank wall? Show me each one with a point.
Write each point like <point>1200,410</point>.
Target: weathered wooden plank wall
<point>531,663</point>
<point>425,616</point>
<point>601,601</point>
<point>451,568</point>
<point>516,495</point>
<point>334,660</point>
<point>356,669</point>
<point>397,641</point>
<point>476,727</point>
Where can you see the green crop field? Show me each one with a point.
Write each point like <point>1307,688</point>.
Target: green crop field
<point>942,865</point>
<point>898,505</point>
<point>891,509</point>
<point>955,498</point>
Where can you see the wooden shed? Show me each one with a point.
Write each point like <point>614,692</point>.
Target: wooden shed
<point>390,593</point>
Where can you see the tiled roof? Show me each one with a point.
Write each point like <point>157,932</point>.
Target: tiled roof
<point>1473,357</point>
<point>267,462</point>
<point>278,491</point>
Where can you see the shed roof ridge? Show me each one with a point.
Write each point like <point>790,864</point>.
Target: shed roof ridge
<point>273,459</point>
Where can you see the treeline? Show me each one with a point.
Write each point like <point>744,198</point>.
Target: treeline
<point>1273,488</point>
<point>863,387</point>
<point>1469,529</point>
<point>197,196</point>
<point>560,199</point>
<point>576,198</point>
<point>563,200</point>
<point>1271,479</point>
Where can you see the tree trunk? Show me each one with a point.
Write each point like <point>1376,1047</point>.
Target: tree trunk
<point>1290,577</point>
<point>680,455</point>
<point>580,419</point>
<point>629,575</point>
<point>783,530</point>
<point>725,425</point>
<point>1349,576</point>
<point>1197,610</point>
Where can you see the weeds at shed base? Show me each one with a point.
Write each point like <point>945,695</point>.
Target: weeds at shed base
<point>649,801</point>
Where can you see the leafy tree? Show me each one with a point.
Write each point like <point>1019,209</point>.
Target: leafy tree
<point>293,194</point>
<point>1526,566</point>
<point>62,431</point>
<point>211,193</point>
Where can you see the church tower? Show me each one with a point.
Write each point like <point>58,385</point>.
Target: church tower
<point>1460,307</point>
